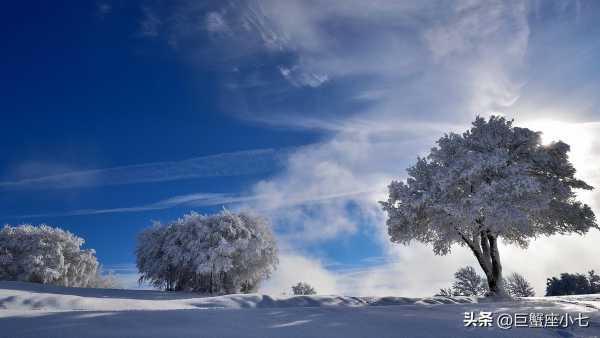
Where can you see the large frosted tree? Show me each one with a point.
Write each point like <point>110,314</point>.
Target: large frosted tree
<point>495,181</point>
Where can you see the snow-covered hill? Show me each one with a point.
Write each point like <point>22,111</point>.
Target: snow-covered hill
<point>33,310</point>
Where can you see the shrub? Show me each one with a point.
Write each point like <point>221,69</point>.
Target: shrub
<point>518,286</point>
<point>303,289</point>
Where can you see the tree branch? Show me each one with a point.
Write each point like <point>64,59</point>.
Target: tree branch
<point>477,252</point>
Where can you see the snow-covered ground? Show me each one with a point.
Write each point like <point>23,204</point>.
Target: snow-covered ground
<point>32,310</point>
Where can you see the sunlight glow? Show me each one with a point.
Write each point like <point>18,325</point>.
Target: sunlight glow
<point>581,136</point>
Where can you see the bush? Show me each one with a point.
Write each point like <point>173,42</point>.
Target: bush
<point>445,293</point>
<point>518,286</point>
<point>468,283</point>
<point>303,289</point>
<point>594,280</point>
<point>216,254</point>
<point>43,254</point>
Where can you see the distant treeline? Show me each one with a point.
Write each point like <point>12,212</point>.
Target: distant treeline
<point>573,284</point>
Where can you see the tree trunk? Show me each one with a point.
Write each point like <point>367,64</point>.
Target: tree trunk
<point>495,280</point>
<point>485,248</point>
<point>211,290</point>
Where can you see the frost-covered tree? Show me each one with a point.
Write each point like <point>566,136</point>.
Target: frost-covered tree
<point>495,181</point>
<point>468,283</point>
<point>303,288</point>
<point>594,280</point>
<point>216,254</point>
<point>48,255</point>
<point>445,293</point>
<point>518,286</point>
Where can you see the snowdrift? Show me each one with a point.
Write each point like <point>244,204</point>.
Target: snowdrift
<point>34,310</point>
<point>29,296</point>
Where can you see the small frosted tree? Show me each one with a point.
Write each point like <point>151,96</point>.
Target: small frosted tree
<point>594,281</point>
<point>495,181</point>
<point>43,254</point>
<point>468,283</point>
<point>303,288</point>
<point>216,254</point>
<point>518,286</point>
<point>445,293</point>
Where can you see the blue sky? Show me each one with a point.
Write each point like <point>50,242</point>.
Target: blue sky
<point>119,113</point>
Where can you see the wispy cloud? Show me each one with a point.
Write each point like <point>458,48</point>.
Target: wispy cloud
<point>208,199</point>
<point>199,199</point>
<point>251,162</point>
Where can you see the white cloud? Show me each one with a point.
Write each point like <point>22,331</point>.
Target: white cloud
<point>293,269</point>
<point>402,275</point>
<point>470,51</point>
<point>300,77</point>
<point>336,168</point>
